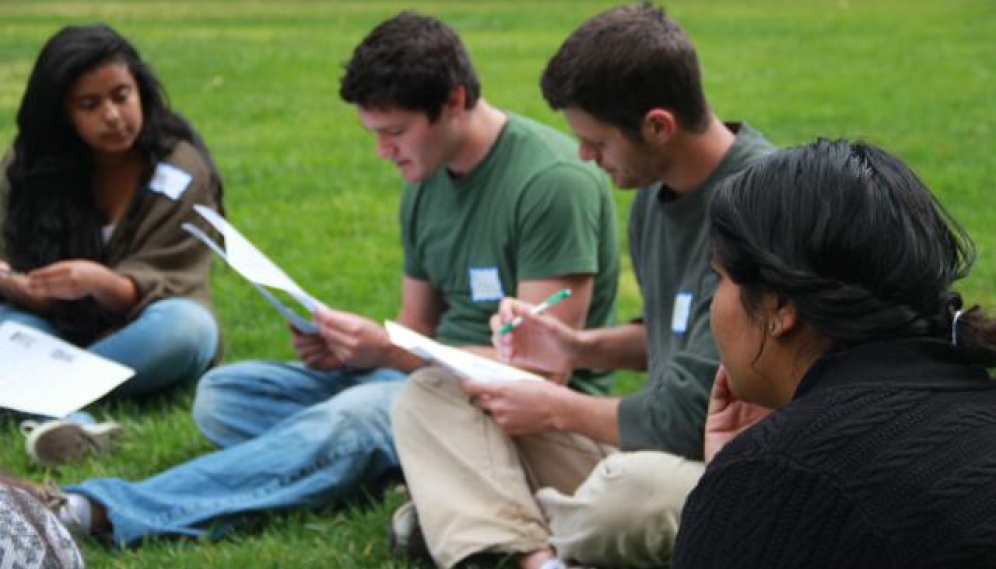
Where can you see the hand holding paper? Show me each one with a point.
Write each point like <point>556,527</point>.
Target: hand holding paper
<point>355,340</point>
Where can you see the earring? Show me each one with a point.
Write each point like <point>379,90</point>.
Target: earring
<point>771,329</point>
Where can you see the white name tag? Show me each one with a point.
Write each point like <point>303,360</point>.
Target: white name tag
<point>169,181</point>
<point>485,285</point>
<point>681,313</point>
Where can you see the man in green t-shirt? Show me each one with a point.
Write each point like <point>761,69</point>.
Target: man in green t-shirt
<point>535,470</point>
<point>495,205</point>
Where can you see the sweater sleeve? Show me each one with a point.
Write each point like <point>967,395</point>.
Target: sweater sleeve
<point>668,412</point>
<point>768,512</point>
<point>160,257</point>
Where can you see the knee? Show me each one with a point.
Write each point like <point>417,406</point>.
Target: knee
<point>356,419</point>
<point>367,405</point>
<point>626,512</point>
<point>635,490</point>
<point>420,394</point>
<point>218,392</point>
<point>189,328</point>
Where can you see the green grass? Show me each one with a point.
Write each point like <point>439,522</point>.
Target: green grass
<point>259,79</point>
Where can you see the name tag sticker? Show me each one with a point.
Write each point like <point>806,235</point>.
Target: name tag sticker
<point>681,313</point>
<point>484,284</point>
<point>169,181</point>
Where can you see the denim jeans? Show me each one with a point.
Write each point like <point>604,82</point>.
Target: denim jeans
<point>292,437</point>
<point>172,340</point>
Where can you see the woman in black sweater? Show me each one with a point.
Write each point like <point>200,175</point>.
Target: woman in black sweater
<point>835,310</point>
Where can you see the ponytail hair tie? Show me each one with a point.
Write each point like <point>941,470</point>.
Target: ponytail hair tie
<point>954,328</point>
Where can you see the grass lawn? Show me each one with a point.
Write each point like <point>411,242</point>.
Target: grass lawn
<point>259,80</point>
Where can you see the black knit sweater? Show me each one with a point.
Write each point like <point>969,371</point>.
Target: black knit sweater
<point>886,457</point>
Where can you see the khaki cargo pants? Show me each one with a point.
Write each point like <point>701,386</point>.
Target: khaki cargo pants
<point>477,490</point>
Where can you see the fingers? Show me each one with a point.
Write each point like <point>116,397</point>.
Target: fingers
<point>338,324</point>
<point>511,307</point>
<point>325,316</point>
<point>336,328</point>
<point>510,310</point>
<point>477,389</point>
<point>496,321</point>
<point>68,279</point>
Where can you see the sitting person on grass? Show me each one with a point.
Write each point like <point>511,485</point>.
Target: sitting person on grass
<point>835,309</point>
<point>92,195</point>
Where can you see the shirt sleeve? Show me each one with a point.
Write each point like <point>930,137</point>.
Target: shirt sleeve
<point>668,412</point>
<point>559,224</point>
<point>407,220</point>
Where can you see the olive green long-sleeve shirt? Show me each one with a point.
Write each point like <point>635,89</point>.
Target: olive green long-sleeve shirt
<point>670,249</point>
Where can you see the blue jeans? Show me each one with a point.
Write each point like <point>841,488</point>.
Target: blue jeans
<point>292,437</point>
<point>172,340</point>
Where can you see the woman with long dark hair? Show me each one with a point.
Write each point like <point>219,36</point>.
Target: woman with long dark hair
<point>835,309</point>
<point>92,196</point>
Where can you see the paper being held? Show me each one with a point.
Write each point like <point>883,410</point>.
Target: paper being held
<point>460,362</point>
<point>255,267</point>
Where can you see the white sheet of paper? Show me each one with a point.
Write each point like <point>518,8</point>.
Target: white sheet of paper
<point>255,267</point>
<point>299,323</point>
<point>251,263</point>
<point>460,362</point>
<point>43,375</point>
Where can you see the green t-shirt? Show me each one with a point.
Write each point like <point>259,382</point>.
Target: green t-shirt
<point>670,249</point>
<point>531,210</point>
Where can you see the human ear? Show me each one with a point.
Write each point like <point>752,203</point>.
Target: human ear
<point>658,126</point>
<point>780,315</point>
<point>457,98</point>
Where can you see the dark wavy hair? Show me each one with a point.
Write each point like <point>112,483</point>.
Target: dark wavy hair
<point>51,211</point>
<point>854,240</point>
<point>624,62</point>
<point>409,62</point>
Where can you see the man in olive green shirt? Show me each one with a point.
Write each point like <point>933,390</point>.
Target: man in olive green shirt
<point>533,469</point>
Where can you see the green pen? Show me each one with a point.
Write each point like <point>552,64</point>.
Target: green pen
<point>538,309</point>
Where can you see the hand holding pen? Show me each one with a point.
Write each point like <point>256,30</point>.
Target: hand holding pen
<point>536,310</point>
<point>545,344</point>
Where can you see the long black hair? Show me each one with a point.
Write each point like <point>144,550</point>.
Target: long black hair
<point>852,237</point>
<point>51,212</point>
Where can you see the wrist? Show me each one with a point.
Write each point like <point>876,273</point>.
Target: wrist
<point>582,344</point>
<point>401,359</point>
<point>560,408</point>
